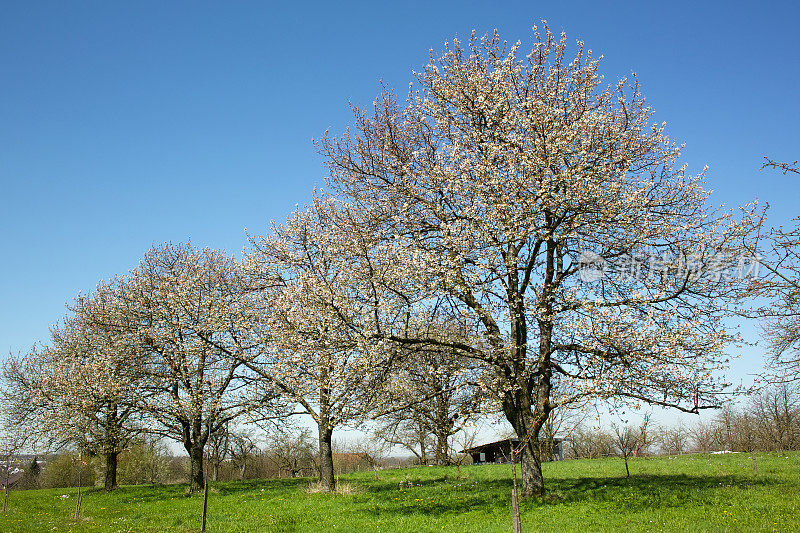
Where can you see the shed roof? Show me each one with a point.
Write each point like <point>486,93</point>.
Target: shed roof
<point>503,442</point>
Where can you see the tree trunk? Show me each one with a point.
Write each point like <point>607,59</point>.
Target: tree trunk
<point>325,428</point>
<point>111,470</point>
<point>326,476</point>
<point>527,404</point>
<point>442,447</point>
<point>443,428</point>
<point>527,427</point>
<point>531,468</point>
<point>195,438</point>
<point>196,478</point>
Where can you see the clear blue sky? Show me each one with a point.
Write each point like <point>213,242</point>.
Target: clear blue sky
<point>127,125</point>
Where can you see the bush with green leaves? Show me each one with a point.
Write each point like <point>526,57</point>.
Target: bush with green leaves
<point>66,469</point>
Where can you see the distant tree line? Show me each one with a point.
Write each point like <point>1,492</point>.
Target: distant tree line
<point>148,461</point>
<point>767,421</point>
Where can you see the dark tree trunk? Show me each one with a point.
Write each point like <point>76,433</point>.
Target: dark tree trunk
<point>111,470</point>
<point>196,478</point>
<point>195,438</point>
<point>443,426</point>
<point>531,467</point>
<point>443,432</point>
<point>112,427</point>
<point>527,404</point>
<point>325,426</point>
<point>326,476</point>
<point>527,426</point>
<point>442,453</point>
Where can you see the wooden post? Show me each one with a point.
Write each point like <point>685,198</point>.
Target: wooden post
<point>516,523</point>
<point>8,479</point>
<point>80,482</point>
<point>205,486</point>
<point>5,495</point>
<point>205,504</point>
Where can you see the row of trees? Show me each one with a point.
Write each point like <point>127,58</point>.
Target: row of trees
<point>193,341</point>
<point>445,270</point>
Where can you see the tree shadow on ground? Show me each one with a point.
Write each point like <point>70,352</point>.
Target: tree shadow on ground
<point>378,487</point>
<point>272,485</point>
<point>642,492</point>
<point>634,494</point>
<point>147,493</point>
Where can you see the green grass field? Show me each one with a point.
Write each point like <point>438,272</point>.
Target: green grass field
<point>688,493</point>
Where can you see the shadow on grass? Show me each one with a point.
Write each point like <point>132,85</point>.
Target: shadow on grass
<point>154,493</point>
<point>409,482</point>
<point>634,494</point>
<point>640,492</point>
<point>271,485</point>
<point>146,493</point>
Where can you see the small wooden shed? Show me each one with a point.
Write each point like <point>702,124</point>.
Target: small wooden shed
<point>500,451</point>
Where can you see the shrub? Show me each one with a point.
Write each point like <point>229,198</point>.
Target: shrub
<point>64,470</point>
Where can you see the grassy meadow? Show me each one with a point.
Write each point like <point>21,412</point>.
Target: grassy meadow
<point>688,493</point>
